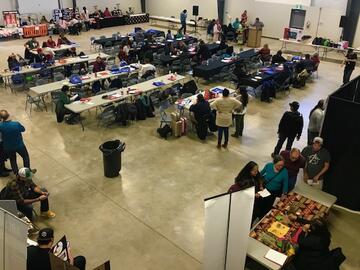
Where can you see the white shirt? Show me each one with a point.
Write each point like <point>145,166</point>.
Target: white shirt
<point>146,67</point>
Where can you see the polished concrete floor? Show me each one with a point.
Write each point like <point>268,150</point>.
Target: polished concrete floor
<point>152,217</point>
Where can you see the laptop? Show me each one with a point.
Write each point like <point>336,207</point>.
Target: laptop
<point>10,206</point>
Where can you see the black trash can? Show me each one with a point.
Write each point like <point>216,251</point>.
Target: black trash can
<point>112,157</point>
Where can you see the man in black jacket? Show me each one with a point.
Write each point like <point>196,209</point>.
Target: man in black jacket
<point>290,126</point>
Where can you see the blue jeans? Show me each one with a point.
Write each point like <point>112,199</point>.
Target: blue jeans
<point>222,130</point>
<point>292,182</point>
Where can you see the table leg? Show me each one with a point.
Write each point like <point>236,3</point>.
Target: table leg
<point>81,123</point>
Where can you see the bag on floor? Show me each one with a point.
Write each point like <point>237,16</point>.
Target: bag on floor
<point>164,131</point>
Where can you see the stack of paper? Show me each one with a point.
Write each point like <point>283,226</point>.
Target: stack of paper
<point>276,257</point>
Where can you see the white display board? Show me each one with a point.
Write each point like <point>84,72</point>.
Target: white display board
<point>306,3</point>
<point>241,209</point>
<point>227,228</point>
<point>37,6</point>
<point>13,243</point>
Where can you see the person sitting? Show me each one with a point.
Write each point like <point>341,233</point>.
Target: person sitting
<point>122,55</point>
<point>210,28</point>
<point>264,53</point>
<point>313,252</point>
<point>63,40</point>
<point>169,36</point>
<point>316,61</point>
<point>275,181</point>
<point>183,47</point>
<point>25,192</point>
<point>203,52</point>
<point>236,24</point>
<point>305,64</point>
<point>202,112</point>
<point>99,65</point>
<point>106,13</point>
<point>75,26</point>
<point>62,25</point>
<point>179,34</point>
<point>278,58</point>
<point>44,20</point>
<point>249,176</point>
<point>47,51</point>
<point>169,49</point>
<point>38,256</point>
<point>30,45</point>
<point>60,109</point>
<point>50,42</point>
<point>13,62</point>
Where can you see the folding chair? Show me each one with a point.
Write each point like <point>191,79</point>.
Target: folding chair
<point>34,100</point>
<point>164,118</point>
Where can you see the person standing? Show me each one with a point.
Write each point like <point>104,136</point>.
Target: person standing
<point>350,63</point>
<point>239,113</point>
<point>216,31</point>
<point>290,126</point>
<point>316,118</point>
<point>249,176</point>
<point>224,107</point>
<point>38,256</point>
<point>259,25</point>
<point>202,113</point>
<point>183,16</point>
<point>3,171</point>
<point>294,161</point>
<point>13,141</point>
<point>275,181</point>
<point>244,16</point>
<point>317,162</point>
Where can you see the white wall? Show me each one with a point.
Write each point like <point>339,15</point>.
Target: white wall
<point>277,16</point>
<point>5,6</point>
<point>102,4</point>
<point>207,8</point>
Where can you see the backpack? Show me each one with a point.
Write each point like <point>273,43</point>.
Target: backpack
<point>164,131</point>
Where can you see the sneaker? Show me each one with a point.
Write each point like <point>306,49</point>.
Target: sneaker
<point>48,214</point>
<point>225,145</point>
<point>235,135</point>
<point>218,146</point>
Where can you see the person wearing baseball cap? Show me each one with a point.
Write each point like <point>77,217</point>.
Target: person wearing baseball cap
<point>38,256</point>
<point>25,192</point>
<point>290,127</point>
<point>317,162</point>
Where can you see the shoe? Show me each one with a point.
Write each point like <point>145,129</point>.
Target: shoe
<point>48,214</point>
<point>4,174</point>
<point>218,146</point>
<point>225,145</point>
<point>235,135</point>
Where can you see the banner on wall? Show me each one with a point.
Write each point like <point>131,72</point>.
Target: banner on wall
<point>227,227</point>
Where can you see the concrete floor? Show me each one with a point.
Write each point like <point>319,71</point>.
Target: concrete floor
<point>152,216</point>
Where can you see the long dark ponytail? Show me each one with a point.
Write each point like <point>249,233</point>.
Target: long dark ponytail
<point>320,105</point>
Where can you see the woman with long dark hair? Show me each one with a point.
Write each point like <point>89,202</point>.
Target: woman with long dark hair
<point>249,176</point>
<point>239,114</point>
<point>316,118</point>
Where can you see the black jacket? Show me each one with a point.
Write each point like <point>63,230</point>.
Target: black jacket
<point>278,59</point>
<point>201,111</point>
<point>314,254</point>
<point>291,124</point>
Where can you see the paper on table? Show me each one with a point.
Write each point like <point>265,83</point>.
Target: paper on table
<point>264,193</point>
<point>276,257</point>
